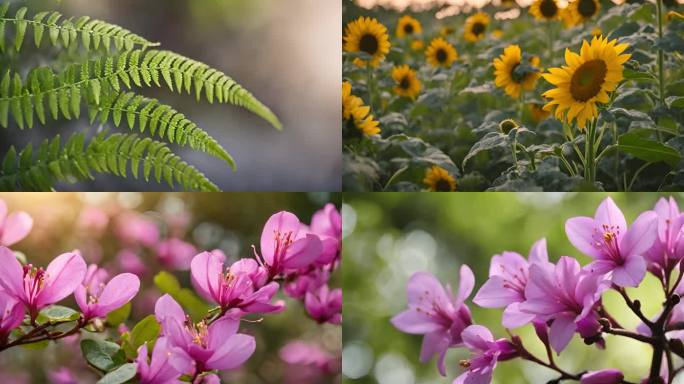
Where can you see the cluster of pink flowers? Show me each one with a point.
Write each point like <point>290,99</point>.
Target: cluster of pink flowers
<point>561,299</point>
<point>294,256</point>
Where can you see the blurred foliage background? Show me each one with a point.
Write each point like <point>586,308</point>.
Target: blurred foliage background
<point>389,236</point>
<point>230,222</point>
<point>285,52</point>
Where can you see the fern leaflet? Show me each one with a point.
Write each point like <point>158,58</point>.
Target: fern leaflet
<point>115,154</point>
<point>89,33</point>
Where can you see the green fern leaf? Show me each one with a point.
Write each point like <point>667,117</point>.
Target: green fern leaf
<point>104,154</point>
<point>90,34</point>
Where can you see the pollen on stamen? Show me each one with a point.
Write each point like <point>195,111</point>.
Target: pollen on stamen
<point>464,364</point>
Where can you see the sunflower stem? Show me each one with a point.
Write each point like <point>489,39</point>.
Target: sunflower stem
<point>549,40</point>
<point>590,153</point>
<point>369,86</point>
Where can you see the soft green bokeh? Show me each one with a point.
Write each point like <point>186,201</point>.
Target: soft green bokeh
<point>391,236</point>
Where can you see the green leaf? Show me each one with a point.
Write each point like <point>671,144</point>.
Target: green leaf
<point>651,151</point>
<point>103,355</point>
<point>120,375</point>
<point>675,102</point>
<point>146,331</point>
<point>167,283</point>
<point>119,315</point>
<point>37,345</point>
<point>57,314</point>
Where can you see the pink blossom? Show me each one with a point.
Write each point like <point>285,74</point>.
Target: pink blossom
<point>303,283</point>
<point>129,261</point>
<point>166,365</point>
<point>604,376</point>
<point>487,351</point>
<point>63,376</point>
<point>134,228</point>
<point>285,246</point>
<point>508,277</point>
<point>11,315</point>
<point>302,353</point>
<point>36,287</point>
<point>93,219</point>
<point>97,299</point>
<point>324,305</point>
<point>435,312</point>
<point>567,295</point>
<point>210,346</point>
<point>175,253</point>
<point>616,250</point>
<point>327,224</point>
<point>668,248</point>
<point>13,227</point>
<point>240,287</point>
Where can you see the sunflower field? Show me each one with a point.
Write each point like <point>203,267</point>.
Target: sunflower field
<point>545,96</point>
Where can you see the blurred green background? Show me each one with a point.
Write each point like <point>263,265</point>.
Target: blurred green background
<point>389,236</point>
<point>229,221</point>
<point>285,52</point>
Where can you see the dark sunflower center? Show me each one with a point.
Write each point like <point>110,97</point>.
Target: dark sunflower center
<point>368,44</point>
<point>548,8</point>
<point>405,83</point>
<point>443,185</point>
<point>586,8</point>
<point>441,55</point>
<point>515,75</point>
<point>478,29</point>
<point>408,28</point>
<point>587,80</point>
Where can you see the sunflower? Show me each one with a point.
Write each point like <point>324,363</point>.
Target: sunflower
<point>441,53</point>
<point>357,113</point>
<point>583,10</point>
<point>408,26</point>
<point>475,27</point>
<point>417,45</point>
<point>538,113</point>
<point>446,31</point>
<point>508,79</point>
<point>545,10</point>
<point>585,80</point>
<point>407,83</point>
<point>367,35</point>
<point>438,179</point>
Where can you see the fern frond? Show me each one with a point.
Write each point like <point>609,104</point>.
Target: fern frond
<point>114,154</point>
<point>149,115</point>
<point>91,34</point>
<point>45,95</point>
<point>148,68</point>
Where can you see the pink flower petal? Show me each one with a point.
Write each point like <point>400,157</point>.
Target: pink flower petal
<point>206,270</point>
<point>631,273</point>
<point>280,222</point>
<point>118,291</point>
<point>11,276</point>
<point>465,284</point>
<point>64,274</point>
<point>411,321</point>
<point>561,332</point>
<point>495,294</point>
<point>580,232</point>
<point>232,353</point>
<point>435,343</point>
<point>538,252</point>
<point>167,308</point>
<point>303,252</point>
<point>475,337</point>
<point>16,227</point>
<point>221,330</point>
<point>640,236</point>
<point>609,214</point>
